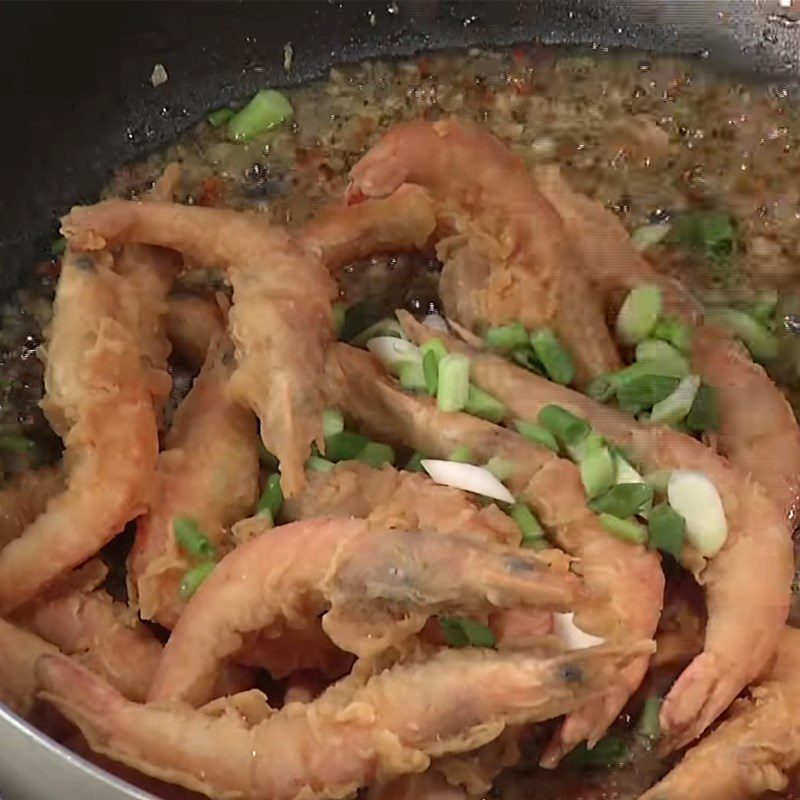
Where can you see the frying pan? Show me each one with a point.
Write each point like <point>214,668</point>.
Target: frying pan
<point>78,102</point>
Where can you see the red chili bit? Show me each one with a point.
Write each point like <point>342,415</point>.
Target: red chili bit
<point>209,192</point>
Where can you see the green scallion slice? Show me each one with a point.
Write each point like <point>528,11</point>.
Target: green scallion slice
<point>338,319</point>
<point>463,455</point>
<point>412,376</point>
<point>58,246</point>
<point>271,498</point>
<point>626,529</point>
<point>623,500</point>
<point>191,539</point>
<point>597,471</point>
<point>600,388</point>
<point>332,422</point>
<point>556,360</point>
<point>430,371</point>
<point>526,358</point>
<point>639,313</point>
<point>677,405</point>
<point>527,523</point>
<point>319,464</point>
<point>536,434</point>
<point>564,425</point>
<point>18,444</point>
<point>414,463</point>
<point>344,445</point>
<point>482,404</point>
<point>194,577</point>
<point>453,389</point>
<point>661,351</point>
<point>674,332</point>
<point>704,413</point>
<point>383,327</point>
<point>667,530</point>
<point>609,753</point>
<point>649,725</point>
<point>644,391</point>
<point>219,116</point>
<point>461,632</point>
<point>265,111</point>
<point>376,455</point>
<point>506,338</point>
<point>759,340</point>
<point>500,467</point>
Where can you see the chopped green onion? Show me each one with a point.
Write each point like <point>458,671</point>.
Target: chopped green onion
<point>414,463</point>
<point>665,369</point>
<point>332,422</point>
<point>453,390</point>
<point>674,332</point>
<point>500,467</point>
<point>556,360</point>
<point>412,376</point>
<point>219,116</point>
<point>677,405</point>
<point>393,352</point>
<point>358,317</point>
<point>526,358</point>
<point>461,632</point>
<point>482,404</point>
<point>272,497</point>
<point>608,753</point>
<point>658,479</point>
<point>430,371</point>
<point>623,500</point>
<point>667,530</point>
<point>265,516</point>
<point>704,413</point>
<point>663,352</point>
<point>600,388</point>
<point>644,391</point>
<point>461,454</point>
<point>706,233</point>
<point>344,445</point>
<point>648,725</point>
<point>265,111</point>
<point>527,523</point>
<point>194,577</point>
<point>648,235</point>
<point>536,434</point>
<point>383,327</point>
<point>319,464</point>
<point>759,340</point>
<point>597,471</point>
<point>697,500</point>
<point>18,444</point>
<point>58,246</point>
<point>506,338</point>
<point>565,426</point>
<point>626,529</point>
<point>435,346</point>
<point>639,313</point>
<point>589,444</point>
<point>376,455</point>
<point>625,472</point>
<point>763,308</point>
<point>191,539</point>
<point>338,319</point>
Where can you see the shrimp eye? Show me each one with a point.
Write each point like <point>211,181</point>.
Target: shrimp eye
<point>85,263</point>
<point>519,566</point>
<point>571,673</point>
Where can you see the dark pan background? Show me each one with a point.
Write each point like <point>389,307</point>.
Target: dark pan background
<point>77,99</point>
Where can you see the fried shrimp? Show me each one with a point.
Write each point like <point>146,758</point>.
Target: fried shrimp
<point>341,234</point>
<point>207,472</point>
<point>380,588</point>
<point>25,497</point>
<point>391,498</point>
<point>754,749</point>
<point>355,733</point>
<point>747,584</point>
<point>19,652</point>
<point>507,255</point>
<point>281,320</point>
<point>625,580</point>
<point>193,323</point>
<point>95,378</point>
<point>758,431</point>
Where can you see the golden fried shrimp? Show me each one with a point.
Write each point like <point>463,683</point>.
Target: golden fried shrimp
<point>747,584</point>
<point>281,320</point>
<point>754,749</point>
<point>208,471</point>
<point>380,587</point>
<point>507,255</point>
<point>98,399</point>
<point>341,234</point>
<point>358,732</point>
<point>193,323</point>
<point>758,431</point>
<point>24,497</point>
<point>19,652</point>
<point>625,580</point>
<point>105,634</point>
<point>391,498</point>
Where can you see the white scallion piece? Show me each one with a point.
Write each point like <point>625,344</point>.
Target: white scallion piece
<point>639,313</point>
<point>677,405</point>
<point>467,477</point>
<point>392,352</point>
<point>696,499</point>
<point>573,637</point>
<point>648,235</point>
<point>436,322</point>
<point>625,472</point>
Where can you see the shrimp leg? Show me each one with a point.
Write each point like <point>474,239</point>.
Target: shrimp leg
<point>385,583</point>
<point>281,320</point>
<point>208,471</point>
<point>352,735</point>
<point>625,580</point>
<point>19,652</point>
<point>99,400</point>
<point>506,253</point>
<point>746,609</point>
